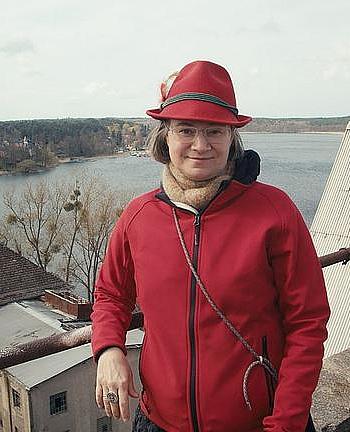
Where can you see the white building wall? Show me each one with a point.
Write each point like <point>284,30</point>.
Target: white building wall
<point>330,230</point>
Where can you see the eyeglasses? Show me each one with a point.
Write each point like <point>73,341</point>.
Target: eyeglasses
<point>213,134</point>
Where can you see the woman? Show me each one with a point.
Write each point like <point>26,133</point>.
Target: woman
<point>226,275</point>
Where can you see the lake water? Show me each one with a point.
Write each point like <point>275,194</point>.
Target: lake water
<point>297,163</point>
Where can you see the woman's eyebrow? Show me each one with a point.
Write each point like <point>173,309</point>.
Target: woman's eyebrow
<point>184,124</point>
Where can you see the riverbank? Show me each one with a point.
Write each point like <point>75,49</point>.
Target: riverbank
<point>32,170</point>
<point>64,161</point>
<point>93,158</point>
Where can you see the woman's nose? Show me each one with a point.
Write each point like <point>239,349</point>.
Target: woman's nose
<point>200,143</point>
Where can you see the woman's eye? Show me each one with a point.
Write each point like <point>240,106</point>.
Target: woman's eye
<point>187,132</point>
<point>214,132</point>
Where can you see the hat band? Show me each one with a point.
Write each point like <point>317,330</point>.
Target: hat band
<point>201,97</point>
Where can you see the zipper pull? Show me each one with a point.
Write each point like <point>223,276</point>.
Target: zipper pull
<point>196,229</point>
<point>197,220</point>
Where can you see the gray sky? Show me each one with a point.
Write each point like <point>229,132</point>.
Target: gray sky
<point>70,58</point>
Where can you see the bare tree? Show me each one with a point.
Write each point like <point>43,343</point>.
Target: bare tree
<point>61,231</point>
<point>34,222</point>
<point>95,207</point>
<point>74,205</point>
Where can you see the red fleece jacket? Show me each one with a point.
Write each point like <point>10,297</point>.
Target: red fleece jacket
<point>255,256</point>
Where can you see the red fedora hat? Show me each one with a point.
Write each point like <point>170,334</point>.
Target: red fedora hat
<point>201,91</point>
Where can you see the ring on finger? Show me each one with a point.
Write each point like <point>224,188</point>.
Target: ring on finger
<point>111,397</point>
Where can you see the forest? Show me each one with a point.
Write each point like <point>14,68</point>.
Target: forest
<point>27,145</point>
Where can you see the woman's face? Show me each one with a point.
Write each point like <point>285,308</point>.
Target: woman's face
<point>200,157</point>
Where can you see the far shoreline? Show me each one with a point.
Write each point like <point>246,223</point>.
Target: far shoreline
<point>77,159</point>
<point>70,160</point>
<point>82,159</point>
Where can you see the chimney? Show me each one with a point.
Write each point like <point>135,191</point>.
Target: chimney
<point>69,303</point>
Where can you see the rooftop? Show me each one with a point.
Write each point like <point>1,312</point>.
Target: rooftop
<point>21,279</point>
<point>37,371</point>
<point>19,323</point>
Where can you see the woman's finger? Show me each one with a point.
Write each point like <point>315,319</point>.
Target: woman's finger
<point>99,396</point>
<point>106,404</point>
<point>124,401</point>
<point>115,405</point>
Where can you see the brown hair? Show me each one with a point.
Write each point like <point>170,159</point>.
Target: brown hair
<point>158,147</point>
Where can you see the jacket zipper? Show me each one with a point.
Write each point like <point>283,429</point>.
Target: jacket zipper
<point>191,327</point>
<point>269,382</point>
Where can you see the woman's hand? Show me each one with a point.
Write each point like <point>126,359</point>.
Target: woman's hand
<point>114,375</point>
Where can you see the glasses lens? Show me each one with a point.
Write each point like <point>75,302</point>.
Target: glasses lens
<point>185,133</point>
<point>212,134</point>
<point>215,133</point>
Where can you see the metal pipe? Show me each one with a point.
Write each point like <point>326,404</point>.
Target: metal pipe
<point>45,346</point>
<point>343,256</point>
<point>60,342</point>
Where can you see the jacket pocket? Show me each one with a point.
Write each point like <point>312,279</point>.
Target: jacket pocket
<point>270,386</point>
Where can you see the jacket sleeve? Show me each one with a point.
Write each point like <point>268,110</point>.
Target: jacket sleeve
<point>304,310</point>
<point>114,293</point>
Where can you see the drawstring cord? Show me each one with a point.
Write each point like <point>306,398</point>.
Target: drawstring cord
<point>260,360</point>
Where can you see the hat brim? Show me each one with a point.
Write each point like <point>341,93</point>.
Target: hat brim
<point>199,111</point>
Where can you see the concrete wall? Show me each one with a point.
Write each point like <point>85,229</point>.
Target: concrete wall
<point>331,401</point>
<point>5,414</point>
<point>82,412</point>
<point>13,417</point>
<point>330,232</point>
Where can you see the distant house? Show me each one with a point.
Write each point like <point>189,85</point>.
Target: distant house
<point>55,393</point>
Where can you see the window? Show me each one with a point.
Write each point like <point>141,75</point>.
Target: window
<point>104,424</point>
<point>58,403</point>
<point>16,398</point>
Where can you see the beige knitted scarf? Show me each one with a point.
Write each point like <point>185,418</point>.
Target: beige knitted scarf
<point>196,193</point>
